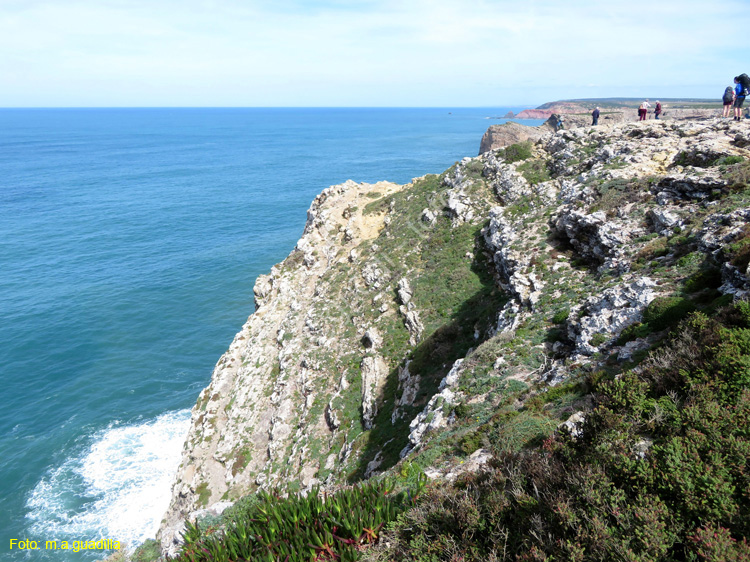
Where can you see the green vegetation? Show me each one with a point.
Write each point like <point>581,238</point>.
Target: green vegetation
<point>561,316</point>
<point>666,311</point>
<point>659,471</point>
<point>738,252</point>
<point>535,171</point>
<point>615,194</point>
<point>516,152</point>
<point>149,551</point>
<point>271,527</point>
<point>203,494</point>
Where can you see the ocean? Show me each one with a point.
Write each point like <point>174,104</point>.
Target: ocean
<point>130,240</point>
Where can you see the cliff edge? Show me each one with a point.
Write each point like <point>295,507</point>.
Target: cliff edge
<point>404,309</point>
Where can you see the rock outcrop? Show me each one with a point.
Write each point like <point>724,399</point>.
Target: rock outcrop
<point>498,136</point>
<point>402,308</point>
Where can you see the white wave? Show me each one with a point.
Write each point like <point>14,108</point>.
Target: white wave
<point>118,488</point>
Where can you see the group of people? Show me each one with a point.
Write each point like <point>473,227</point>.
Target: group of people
<point>642,112</point>
<point>644,107</point>
<point>735,97</point>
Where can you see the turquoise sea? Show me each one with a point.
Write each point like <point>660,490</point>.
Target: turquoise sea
<point>130,240</point>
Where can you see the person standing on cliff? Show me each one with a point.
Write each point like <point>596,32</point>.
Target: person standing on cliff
<point>595,116</point>
<point>728,100</point>
<point>657,109</point>
<point>643,111</point>
<point>739,98</point>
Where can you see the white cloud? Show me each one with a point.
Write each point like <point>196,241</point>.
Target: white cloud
<point>413,52</point>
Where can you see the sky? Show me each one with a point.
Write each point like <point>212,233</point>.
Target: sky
<point>365,53</point>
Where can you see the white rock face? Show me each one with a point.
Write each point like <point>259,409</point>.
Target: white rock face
<point>513,267</point>
<point>374,377</point>
<point>574,424</point>
<point>405,291</point>
<point>434,415</point>
<point>459,204</point>
<point>664,221</point>
<point>372,339</point>
<point>408,385</point>
<point>594,237</point>
<point>413,325</point>
<point>253,424</point>
<point>610,313</point>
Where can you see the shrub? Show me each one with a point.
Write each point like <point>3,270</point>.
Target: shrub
<point>149,551</point>
<point>474,168</point>
<point>666,311</point>
<point>535,171</point>
<point>598,339</point>
<point>561,316</point>
<point>607,493</point>
<point>738,252</point>
<point>738,176</point>
<point>616,193</point>
<point>708,278</point>
<point>632,332</point>
<point>728,160</point>
<point>516,152</point>
<point>654,249</point>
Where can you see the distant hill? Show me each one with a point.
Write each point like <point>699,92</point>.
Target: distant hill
<point>682,103</point>
<point>615,104</point>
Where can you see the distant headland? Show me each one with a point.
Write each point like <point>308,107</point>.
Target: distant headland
<point>577,113</point>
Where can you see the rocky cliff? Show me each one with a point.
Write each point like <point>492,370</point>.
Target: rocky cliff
<point>404,309</point>
<point>577,115</point>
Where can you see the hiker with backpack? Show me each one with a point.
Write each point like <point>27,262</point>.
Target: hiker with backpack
<point>595,116</point>
<point>740,91</point>
<point>657,109</point>
<point>728,100</point>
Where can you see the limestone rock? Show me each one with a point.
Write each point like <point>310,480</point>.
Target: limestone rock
<point>689,185</point>
<point>513,267</point>
<point>594,237</point>
<point>573,425</point>
<point>408,385</point>
<point>610,313</point>
<point>664,221</point>
<point>372,274</point>
<point>405,292</point>
<point>372,339</point>
<point>374,378</point>
<point>434,416</point>
<point>281,405</point>
<point>499,136</point>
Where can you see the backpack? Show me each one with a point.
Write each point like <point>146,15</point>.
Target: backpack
<point>728,95</point>
<point>745,81</point>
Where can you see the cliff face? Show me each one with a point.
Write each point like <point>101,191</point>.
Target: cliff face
<point>402,308</point>
<point>498,136</point>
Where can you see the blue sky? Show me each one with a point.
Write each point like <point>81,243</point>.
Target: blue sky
<point>59,53</point>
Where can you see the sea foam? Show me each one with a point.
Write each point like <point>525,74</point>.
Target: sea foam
<point>117,488</point>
